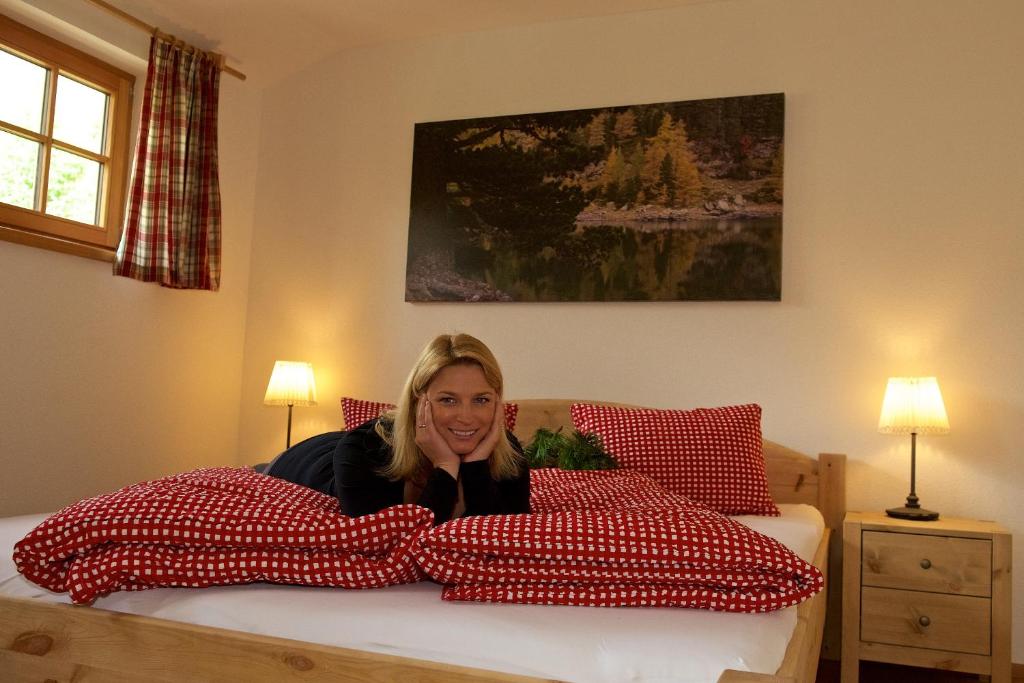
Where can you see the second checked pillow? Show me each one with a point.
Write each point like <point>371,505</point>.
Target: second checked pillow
<point>713,456</point>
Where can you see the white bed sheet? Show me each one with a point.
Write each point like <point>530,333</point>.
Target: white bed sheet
<point>586,644</point>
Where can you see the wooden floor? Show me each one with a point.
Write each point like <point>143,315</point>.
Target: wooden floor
<point>875,672</point>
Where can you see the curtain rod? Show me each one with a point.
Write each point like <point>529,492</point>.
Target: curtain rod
<point>138,23</point>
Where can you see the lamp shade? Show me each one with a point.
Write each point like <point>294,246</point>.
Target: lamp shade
<point>291,384</point>
<point>913,405</point>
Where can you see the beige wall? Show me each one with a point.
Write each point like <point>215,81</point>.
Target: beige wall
<point>903,233</point>
<point>108,381</point>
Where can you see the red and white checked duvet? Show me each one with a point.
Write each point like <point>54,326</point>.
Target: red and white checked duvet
<point>218,526</point>
<point>594,538</point>
<point>614,539</point>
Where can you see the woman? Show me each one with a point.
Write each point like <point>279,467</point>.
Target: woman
<point>444,447</point>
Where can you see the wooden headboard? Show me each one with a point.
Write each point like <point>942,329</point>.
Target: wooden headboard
<point>792,476</point>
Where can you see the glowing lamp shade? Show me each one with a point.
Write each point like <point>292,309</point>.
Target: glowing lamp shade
<point>291,384</point>
<point>913,405</point>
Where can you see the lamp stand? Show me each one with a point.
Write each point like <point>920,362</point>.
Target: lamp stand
<point>288,439</point>
<point>912,510</point>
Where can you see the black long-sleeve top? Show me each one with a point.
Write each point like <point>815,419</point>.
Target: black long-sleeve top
<point>348,465</point>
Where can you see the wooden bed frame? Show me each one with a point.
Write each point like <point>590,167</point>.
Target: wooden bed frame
<point>58,642</point>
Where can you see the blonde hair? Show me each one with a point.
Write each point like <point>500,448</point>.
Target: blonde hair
<point>398,426</point>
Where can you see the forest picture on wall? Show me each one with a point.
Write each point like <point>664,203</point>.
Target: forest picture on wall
<point>654,202</point>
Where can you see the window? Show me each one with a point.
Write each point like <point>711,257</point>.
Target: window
<point>64,126</point>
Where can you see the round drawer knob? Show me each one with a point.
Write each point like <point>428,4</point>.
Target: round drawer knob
<point>926,564</point>
<point>924,621</point>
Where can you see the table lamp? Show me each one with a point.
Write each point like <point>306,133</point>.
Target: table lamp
<point>913,405</point>
<point>291,384</point>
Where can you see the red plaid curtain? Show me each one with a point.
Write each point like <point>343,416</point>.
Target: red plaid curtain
<point>172,229</point>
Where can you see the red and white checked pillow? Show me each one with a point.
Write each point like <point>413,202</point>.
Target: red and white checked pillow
<point>711,455</point>
<point>355,412</point>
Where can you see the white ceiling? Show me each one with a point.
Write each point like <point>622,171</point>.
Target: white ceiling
<point>269,39</point>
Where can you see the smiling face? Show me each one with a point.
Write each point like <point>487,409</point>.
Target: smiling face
<point>462,403</point>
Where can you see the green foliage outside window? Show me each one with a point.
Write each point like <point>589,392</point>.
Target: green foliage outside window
<point>73,187</point>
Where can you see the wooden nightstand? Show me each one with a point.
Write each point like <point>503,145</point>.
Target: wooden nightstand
<point>930,594</point>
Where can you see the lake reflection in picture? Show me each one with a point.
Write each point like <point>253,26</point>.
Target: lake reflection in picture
<point>675,201</point>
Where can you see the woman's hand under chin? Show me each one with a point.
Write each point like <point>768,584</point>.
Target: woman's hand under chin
<point>433,445</point>
<point>486,447</point>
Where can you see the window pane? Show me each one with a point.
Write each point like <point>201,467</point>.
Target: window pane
<point>81,115</point>
<point>73,188</point>
<point>19,160</point>
<point>24,87</point>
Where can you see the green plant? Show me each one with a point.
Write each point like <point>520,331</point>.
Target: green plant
<point>577,451</point>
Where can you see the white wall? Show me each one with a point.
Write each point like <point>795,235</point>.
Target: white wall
<point>109,381</point>
<point>903,233</point>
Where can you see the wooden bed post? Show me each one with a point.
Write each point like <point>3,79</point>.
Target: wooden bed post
<point>832,503</point>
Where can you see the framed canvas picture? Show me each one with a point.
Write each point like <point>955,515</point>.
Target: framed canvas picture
<point>653,202</point>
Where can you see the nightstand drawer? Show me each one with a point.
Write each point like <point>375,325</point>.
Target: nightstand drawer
<point>956,623</point>
<point>942,564</point>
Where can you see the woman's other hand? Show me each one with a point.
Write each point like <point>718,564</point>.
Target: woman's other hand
<point>437,450</point>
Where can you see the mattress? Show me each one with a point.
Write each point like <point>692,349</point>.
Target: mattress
<point>586,644</point>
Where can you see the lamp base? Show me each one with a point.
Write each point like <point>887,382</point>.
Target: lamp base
<point>916,514</point>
